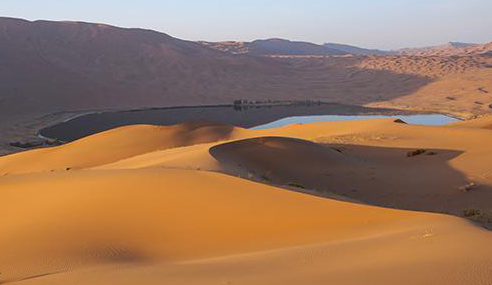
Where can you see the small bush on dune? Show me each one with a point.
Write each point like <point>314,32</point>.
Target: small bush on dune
<point>416,152</point>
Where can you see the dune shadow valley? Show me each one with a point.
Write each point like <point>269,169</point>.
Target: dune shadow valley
<point>129,156</point>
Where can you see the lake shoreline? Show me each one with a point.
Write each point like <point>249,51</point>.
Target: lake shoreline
<point>107,119</point>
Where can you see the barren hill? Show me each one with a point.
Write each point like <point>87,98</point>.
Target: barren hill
<point>355,50</point>
<point>52,67</point>
<point>274,47</point>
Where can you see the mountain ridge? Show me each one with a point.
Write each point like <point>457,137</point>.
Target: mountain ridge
<point>277,46</point>
<point>448,49</point>
<point>273,46</point>
<point>355,50</point>
<point>58,67</point>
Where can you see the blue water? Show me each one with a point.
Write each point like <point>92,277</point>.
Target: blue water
<point>431,120</point>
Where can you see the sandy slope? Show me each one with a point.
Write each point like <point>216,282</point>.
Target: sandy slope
<point>358,161</point>
<point>146,205</point>
<point>154,220</point>
<point>480,123</point>
<point>118,144</point>
<point>449,49</point>
<point>460,85</point>
<point>181,215</point>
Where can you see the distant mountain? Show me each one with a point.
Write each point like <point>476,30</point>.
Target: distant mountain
<point>48,67</point>
<point>449,49</point>
<point>51,66</point>
<point>355,50</point>
<point>271,47</point>
<point>460,45</point>
<point>228,46</point>
<point>286,47</point>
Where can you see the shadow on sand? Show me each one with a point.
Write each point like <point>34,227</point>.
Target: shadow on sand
<point>379,176</point>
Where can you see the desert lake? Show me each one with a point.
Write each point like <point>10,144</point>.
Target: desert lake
<point>421,119</point>
<point>254,117</point>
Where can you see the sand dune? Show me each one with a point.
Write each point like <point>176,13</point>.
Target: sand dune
<point>480,123</point>
<point>162,71</point>
<point>352,160</point>
<point>283,160</point>
<point>449,49</point>
<point>460,85</point>
<point>163,215</point>
<point>77,224</point>
<point>148,205</point>
<point>348,159</point>
<point>165,71</point>
<point>117,144</point>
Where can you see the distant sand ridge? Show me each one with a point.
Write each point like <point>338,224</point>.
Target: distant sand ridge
<point>213,204</point>
<point>52,69</point>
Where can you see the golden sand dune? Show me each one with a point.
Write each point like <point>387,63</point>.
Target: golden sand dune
<point>163,215</point>
<point>146,205</point>
<point>480,123</point>
<point>145,224</point>
<point>114,145</point>
<point>283,160</point>
<point>353,160</point>
<point>201,156</point>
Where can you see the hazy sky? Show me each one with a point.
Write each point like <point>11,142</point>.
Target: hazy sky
<point>384,24</point>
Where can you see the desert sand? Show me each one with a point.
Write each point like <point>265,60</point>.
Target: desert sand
<point>324,203</point>
<point>90,70</point>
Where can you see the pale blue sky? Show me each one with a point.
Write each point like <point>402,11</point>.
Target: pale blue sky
<point>384,24</point>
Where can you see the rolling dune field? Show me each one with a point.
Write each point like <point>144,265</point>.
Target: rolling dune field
<point>361,202</point>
